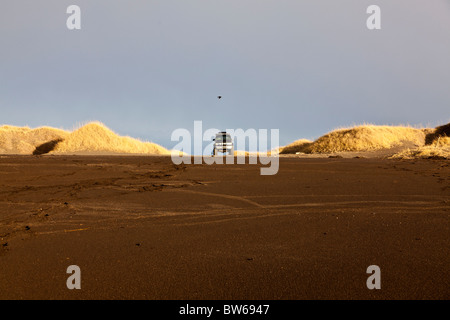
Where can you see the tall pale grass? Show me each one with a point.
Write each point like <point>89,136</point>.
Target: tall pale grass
<point>92,137</point>
<point>439,148</point>
<point>24,140</point>
<point>96,137</point>
<point>359,138</point>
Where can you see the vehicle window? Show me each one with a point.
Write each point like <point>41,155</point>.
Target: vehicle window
<point>223,138</point>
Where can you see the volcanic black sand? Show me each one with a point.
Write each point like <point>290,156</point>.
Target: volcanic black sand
<point>142,228</point>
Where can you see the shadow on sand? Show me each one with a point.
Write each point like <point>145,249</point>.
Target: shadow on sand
<point>46,147</point>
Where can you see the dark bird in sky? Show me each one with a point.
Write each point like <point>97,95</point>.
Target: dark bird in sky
<point>219,97</point>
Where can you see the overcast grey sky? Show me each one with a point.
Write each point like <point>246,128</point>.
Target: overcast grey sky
<point>145,68</point>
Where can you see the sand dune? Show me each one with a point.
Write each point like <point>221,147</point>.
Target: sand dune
<point>438,133</point>
<point>96,137</point>
<point>23,140</point>
<point>90,138</point>
<point>437,145</point>
<point>415,142</point>
<point>365,138</point>
<point>296,146</point>
<point>431,151</point>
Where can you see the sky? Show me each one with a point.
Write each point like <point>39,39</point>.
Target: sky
<point>146,68</point>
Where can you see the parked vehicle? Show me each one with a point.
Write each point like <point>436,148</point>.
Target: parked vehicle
<point>223,143</point>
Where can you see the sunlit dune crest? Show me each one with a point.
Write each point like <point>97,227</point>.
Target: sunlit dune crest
<point>437,145</point>
<point>23,140</point>
<point>415,142</point>
<point>96,137</point>
<point>92,137</point>
<point>296,146</point>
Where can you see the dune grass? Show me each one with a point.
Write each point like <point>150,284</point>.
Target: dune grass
<point>437,145</point>
<point>296,146</point>
<point>367,138</point>
<point>359,138</point>
<point>96,137</point>
<point>92,137</point>
<point>425,152</point>
<point>438,132</point>
<point>417,143</point>
<point>24,140</point>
